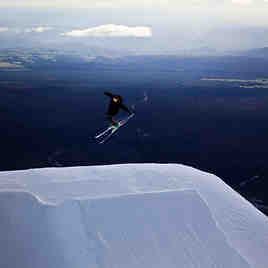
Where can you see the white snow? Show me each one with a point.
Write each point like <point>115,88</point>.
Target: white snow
<point>133,215</point>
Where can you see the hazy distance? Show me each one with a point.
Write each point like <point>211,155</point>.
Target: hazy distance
<point>168,27</point>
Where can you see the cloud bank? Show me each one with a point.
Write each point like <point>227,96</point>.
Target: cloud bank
<point>112,30</point>
<point>39,29</point>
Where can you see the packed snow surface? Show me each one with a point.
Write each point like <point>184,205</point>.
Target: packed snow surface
<point>124,216</point>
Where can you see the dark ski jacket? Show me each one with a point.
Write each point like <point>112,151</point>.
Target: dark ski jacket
<point>114,107</point>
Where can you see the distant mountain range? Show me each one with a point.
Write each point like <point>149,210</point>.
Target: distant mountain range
<point>258,52</point>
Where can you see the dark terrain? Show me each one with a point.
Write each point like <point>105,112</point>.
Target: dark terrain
<point>51,112</point>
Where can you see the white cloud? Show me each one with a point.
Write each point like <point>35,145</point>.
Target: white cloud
<point>39,29</point>
<point>111,30</point>
<point>3,29</point>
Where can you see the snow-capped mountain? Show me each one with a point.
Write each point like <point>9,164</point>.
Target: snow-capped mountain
<point>134,215</point>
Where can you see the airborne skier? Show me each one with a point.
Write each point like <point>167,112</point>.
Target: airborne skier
<point>116,103</point>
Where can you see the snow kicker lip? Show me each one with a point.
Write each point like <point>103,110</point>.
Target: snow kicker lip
<point>140,224</point>
<point>235,217</point>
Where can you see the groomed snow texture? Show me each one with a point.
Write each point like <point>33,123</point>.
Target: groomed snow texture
<point>136,215</point>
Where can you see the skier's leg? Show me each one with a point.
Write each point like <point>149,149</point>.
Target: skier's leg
<point>111,120</point>
<point>115,122</point>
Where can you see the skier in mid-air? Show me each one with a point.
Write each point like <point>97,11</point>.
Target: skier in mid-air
<point>116,103</point>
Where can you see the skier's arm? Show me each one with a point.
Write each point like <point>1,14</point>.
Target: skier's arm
<point>125,108</point>
<point>108,94</point>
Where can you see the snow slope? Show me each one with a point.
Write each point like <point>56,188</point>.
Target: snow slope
<point>135,215</point>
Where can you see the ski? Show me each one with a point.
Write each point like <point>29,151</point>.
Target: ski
<point>104,132</point>
<point>109,136</point>
<point>113,129</point>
